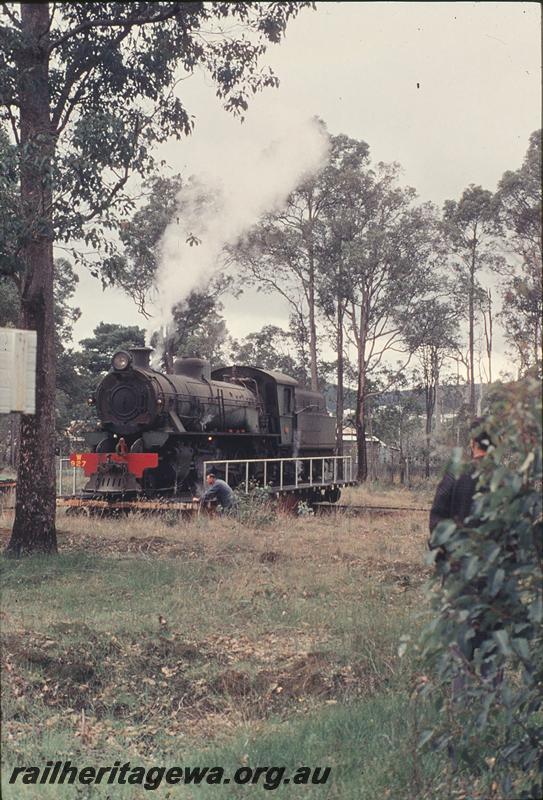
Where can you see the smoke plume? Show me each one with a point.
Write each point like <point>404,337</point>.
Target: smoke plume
<point>215,209</point>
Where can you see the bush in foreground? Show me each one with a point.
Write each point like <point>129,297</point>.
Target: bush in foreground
<point>484,645</point>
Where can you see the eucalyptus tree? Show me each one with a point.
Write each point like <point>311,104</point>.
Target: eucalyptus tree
<point>88,89</point>
<point>134,264</point>
<point>9,219</point>
<point>271,348</point>
<point>434,334</point>
<point>517,206</point>
<point>288,252</point>
<point>197,328</point>
<point>390,264</point>
<point>470,229</point>
<point>344,176</point>
<point>106,339</point>
<point>280,255</point>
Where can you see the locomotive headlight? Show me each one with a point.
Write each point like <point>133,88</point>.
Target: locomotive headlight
<point>121,360</point>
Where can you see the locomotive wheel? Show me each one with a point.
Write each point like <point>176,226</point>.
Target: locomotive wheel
<point>331,495</point>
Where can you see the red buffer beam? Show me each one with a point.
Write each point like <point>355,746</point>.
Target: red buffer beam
<point>135,462</point>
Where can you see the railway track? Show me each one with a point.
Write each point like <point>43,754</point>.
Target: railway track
<point>76,505</point>
<point>326,508</point>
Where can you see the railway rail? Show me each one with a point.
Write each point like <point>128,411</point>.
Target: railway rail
<point>359,510</point>
<point>76,505</point>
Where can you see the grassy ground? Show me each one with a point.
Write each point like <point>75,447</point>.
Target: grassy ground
<point>212,642</point>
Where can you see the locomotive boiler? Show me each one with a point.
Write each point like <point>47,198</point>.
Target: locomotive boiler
<point>156,429</point>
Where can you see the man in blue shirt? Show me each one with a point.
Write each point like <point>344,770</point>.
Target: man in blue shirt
<point>218,490</point>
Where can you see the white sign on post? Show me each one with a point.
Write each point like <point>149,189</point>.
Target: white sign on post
<point>17,371</point>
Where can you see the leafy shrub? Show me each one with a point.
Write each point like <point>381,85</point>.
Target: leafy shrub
<point>255,508</point>
<point>303,509</point>
<point>484,645</point>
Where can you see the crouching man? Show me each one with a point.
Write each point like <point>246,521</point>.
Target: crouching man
<point>219,491</point>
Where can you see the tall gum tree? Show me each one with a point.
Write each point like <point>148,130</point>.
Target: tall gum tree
<point>343,178</point>
<point>280,255</point>
<point>517,208</point>
<point>88,89</point>
<point>471,230</point>
<point>434,335</point>
<point>292,251</point>
<point>390,266</point>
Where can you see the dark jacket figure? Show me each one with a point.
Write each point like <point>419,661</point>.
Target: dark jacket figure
<point>453,499</point>
<point>220,491</point>
<point>454,496</point>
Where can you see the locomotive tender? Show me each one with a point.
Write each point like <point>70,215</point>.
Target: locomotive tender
<point>156,430</point>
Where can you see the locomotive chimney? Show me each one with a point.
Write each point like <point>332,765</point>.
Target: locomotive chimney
<point>141,356</point>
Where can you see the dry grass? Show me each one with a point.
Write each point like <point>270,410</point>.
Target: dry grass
<point>200,628</point>
<point>388,541</point>
<point>386,495</point>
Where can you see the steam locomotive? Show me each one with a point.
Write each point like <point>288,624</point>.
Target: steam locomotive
<point>156,430</point>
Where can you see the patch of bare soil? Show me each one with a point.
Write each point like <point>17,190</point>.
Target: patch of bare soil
<point>167,677</point>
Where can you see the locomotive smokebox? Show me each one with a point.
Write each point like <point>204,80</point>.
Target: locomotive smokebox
<point>192,367</point>
<point>141,356</point>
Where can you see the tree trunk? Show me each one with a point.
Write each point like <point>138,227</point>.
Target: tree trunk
<point>362,471</point>
<point>340,395</point>
<point>430,397</point>
<point>489,337</point>
<point>13,453</point>
<point>429,414</point>
<point>361,449</point>
<point>537,346</point>
<point>312,324</point>
<point>34,526</point>
<point>471,313</point>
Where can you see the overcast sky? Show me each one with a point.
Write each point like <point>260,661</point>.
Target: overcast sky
<point>449,90</point>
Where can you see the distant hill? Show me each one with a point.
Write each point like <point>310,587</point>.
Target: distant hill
<point>451,397</point>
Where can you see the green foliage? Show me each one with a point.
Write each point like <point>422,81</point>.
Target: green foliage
<point>470,228</point>
<point>113,72</point>
<point>9,303</point>
<point>9,222</point>
<point>517,202</point>
<point>486,636</point>
<point>66,280</point>
<point>134,269</point>
<point>517,208</point>
<point>269,348</point>
<point>199,327</point>
<point>255,508</point>
<point>108,338</point>
<point>303,509</point>
<point>521,316</point>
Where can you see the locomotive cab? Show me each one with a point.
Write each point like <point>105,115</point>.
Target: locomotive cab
<point>298,417</point>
